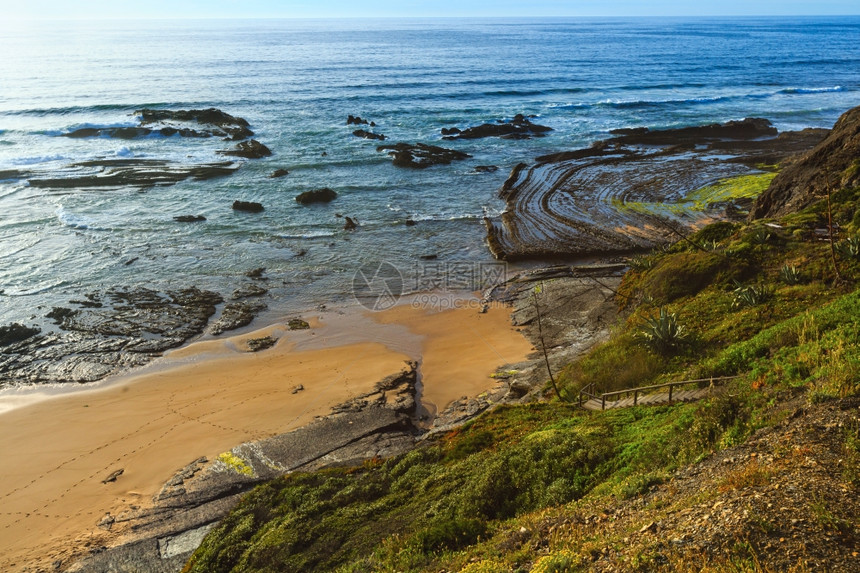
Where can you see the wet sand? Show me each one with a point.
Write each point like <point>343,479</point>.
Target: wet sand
<point>207,398</point>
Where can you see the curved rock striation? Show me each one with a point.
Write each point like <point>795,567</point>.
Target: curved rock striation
<point>626,193</point>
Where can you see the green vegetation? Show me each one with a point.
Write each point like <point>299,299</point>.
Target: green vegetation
<point>729,190</point>
<point>470,500</point>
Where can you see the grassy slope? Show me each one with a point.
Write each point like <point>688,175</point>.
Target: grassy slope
<point>461,501</point>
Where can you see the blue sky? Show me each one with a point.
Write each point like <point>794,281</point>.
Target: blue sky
<point>87,9</point>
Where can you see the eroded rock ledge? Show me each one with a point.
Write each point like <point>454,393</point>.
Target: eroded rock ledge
<point>613,197</point>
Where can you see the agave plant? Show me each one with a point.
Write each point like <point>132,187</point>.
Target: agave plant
<point>849,248</point>
<point>750,295</point>
<point>661,333</point>
<point>641,262</point>
<point>760,236</point>
<point>789,275</point>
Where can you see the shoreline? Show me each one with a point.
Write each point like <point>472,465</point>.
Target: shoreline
<point>187,404</point>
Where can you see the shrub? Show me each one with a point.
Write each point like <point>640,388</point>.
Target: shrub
<point>849,248</point>
<point>789,275</point>
<point>661,333</point>
<point>750,295</point>
<point>685,274</point>
<point>454,533</point>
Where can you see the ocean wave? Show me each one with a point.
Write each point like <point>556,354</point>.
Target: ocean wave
<point>811,90</point>
<point>307,235</point>
<point>38,159</point>
<point>74,221</point>
<point>445,217</point>
<point>76,109</point>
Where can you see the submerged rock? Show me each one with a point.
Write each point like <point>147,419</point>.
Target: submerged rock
<point>131,173</point>
<point>324,195</point>
<point>420,155</point>
<point>350,224</point>
<point>279,173</point>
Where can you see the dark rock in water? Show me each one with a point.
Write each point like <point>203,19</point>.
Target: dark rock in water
<point>835,161</point>
<point>432,257</point>
<point>258,344</point>
<point>60,314</point>
<point>324,195</point>
<point>298,324</point>
<point>251,149</point>
<point>355,120</point>
<point>749,128</point>
<point>248,206</point>
<point>235,127</point>
<point>247,291</point>
<point>368,135</point>
<point>420,155</point>
<point>518,128</point>
<point>189,218</point>
<point>324,154</point>
<point>486,168</point>
<point>279,173</point>
<point>410,223</point>
<point>237,315</point>
<point>16,333</point>
<point>350,224</point>
<point>132,173</point>
<point>11,174</point>
<point>256,273</point>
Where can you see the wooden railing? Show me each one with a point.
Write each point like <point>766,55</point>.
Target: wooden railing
<point>587,392</point>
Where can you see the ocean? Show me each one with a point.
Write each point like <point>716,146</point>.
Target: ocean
<point>296,82</point>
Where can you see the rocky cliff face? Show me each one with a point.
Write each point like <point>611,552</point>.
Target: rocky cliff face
<point>805,179</point>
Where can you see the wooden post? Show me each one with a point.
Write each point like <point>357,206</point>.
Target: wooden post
<point>670,392</point>
<point>603,402</point>
<point>635,397</point>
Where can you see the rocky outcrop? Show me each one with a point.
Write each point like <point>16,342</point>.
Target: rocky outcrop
<point>368,135</point>
<point>627,193</point>
<point>324,195</point>
<point>518,128</point>
<point>248,206</point>
<point>104,333</point>
<point>189,218</point>
<point>235,128</point>
<point>251,149</point>
<point>356,120</point>
<point>749,128</point>
<point>236,315</point>
<point>834,162</point>
<point>420,155</point>
<point>279,173</point>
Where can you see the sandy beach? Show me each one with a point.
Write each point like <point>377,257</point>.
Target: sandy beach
<point>208,397</point>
